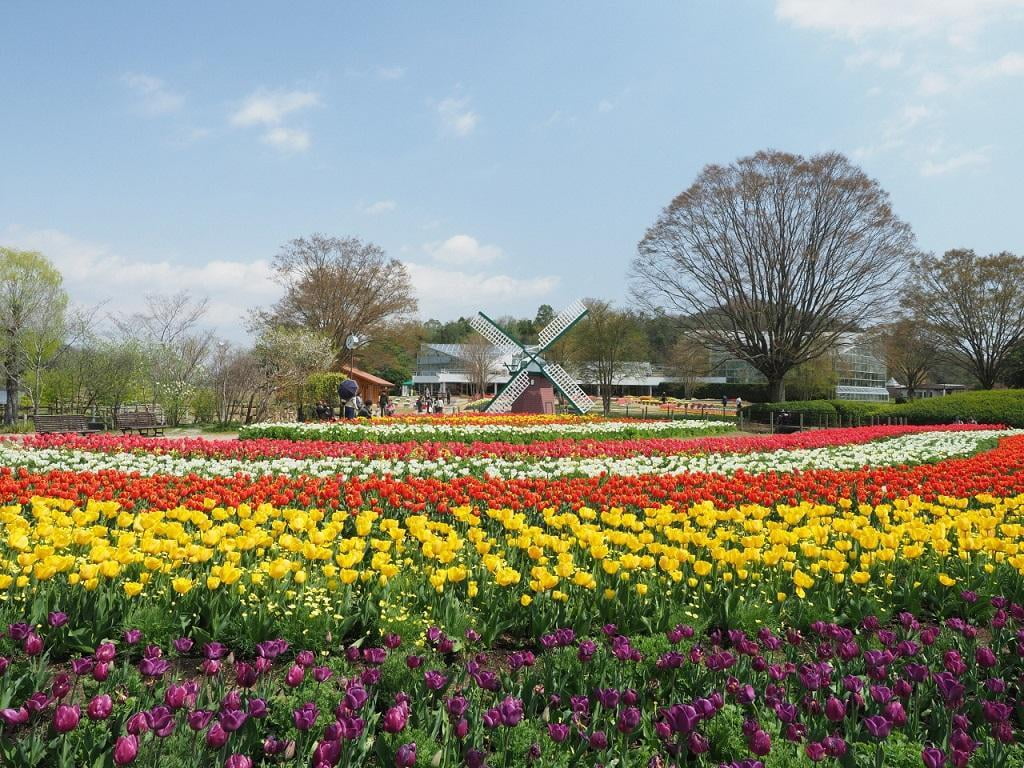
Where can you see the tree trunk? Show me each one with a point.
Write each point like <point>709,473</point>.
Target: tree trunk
<point>776,390</point>
<point>11,411</point>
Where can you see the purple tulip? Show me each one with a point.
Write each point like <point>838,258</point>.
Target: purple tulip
<point>37,702</point>
<point>210,667</point>
<point>295,676</point>
<point>18,631</point>
<point>392,641</point>
<point>681,718</point>
<point>405,757</point>
<point>137,724</point>
<point>161,721</point>
<point>126,749</point>
<point>305,659</point>
<point>511,710</point>
<point>933,757</point>
<point>183,644</point>
<point>214,651</point>
<point>395,719</point>
<point>237,761</point>
<point>154,667</point>
<point>216,737</point>
<point>82,666</point>
<point>815,750</point>
<point>57,619</point>
<point>435,680</point>
<point>257,708</point>
<point>491,718</point>
<point>475,758</point>
<point>558,732</point>
<point>305,716</point>
<point>629,719</point>
<point>245,674</point>
<point>597,741</point>
<point>322,674</point>
<point>462,729</point>
<point>61,686</point>
<point>100,707</point>
<point>985,657</point>
<point>413,662</point>
<point>232,719</point>
<point>878,726</point>
<point>32,645</point>
<point>65,718</point>
<point>199,719</point>
<point>835,709</point>
<point>760,743</point>
<point>12,716</point>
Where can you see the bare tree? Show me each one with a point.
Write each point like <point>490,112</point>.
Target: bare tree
<point>339,287</point>
<point>774,257</point>
<point>974,305</point>
<point>688,361</point>
<point>909,350</point>
<point>480,357</point>
<point>605,347</point>
<point>168,331</point>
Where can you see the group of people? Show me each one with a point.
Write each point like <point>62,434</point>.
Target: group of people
<point>430,403</point>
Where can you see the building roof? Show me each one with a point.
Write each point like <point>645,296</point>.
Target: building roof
<point>357,373</point>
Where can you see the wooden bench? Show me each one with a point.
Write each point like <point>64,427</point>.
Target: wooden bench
<point>140,421</point>
<point>63,422</point>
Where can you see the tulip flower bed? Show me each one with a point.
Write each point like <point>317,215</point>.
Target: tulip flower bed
<point>904,693</point>
<point>470,428</point>
<point>850,597</point>
<point>843,449</point>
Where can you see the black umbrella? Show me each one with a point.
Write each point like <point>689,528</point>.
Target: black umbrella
<point>347,389</point>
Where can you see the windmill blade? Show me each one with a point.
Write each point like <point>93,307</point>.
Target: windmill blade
<point>510,393</point>
<point>567,385</point>
<point>565,320</point>
<point>487,328</point>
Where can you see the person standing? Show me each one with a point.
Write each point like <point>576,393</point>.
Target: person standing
<point>383,403</point>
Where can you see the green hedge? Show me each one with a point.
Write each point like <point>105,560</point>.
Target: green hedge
<point>860,409</point>
<point>1004,406</point>
<point>751,393</point>
<point>809,408</point>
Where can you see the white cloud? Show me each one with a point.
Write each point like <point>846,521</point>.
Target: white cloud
<point>155,98</point>
<point>933,83</point>
<point>874,58</point>
<point>1009,65</point>
<point>456,116</point>
<point>958,19</point>
<point>605,106</point>
<point>449,293</point>
<point>287,139</point>
<point>463,251</point>
<point>969,159</point>
<point>94,273</point>
<point>391,73</point>
<point>379,207</point>
<point>269,109</point>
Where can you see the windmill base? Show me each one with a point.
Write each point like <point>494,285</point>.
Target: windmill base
<point>538,398</point>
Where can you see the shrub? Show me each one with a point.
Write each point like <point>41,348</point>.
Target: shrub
<point>859,409</point>
<point>814,411</point>
<point>987,407</point>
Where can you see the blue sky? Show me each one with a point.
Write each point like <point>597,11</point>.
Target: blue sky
<point>510,153</point>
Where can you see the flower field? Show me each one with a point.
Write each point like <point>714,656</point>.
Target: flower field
<point>475,427</point>
<point>572,595</point>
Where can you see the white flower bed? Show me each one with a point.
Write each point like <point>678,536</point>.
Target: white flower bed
<point>908,449</point>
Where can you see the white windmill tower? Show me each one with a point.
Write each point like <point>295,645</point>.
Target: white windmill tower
<point>528,368</point>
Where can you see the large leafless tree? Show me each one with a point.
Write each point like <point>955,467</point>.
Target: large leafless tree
<point>974,305</point>
<point>480,357</point>
<point>340,286</point>
<point>910,351</point>
<point>606,347</point>
<point>774,257</point>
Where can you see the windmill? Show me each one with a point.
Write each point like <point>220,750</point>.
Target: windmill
<point>529,373</point>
